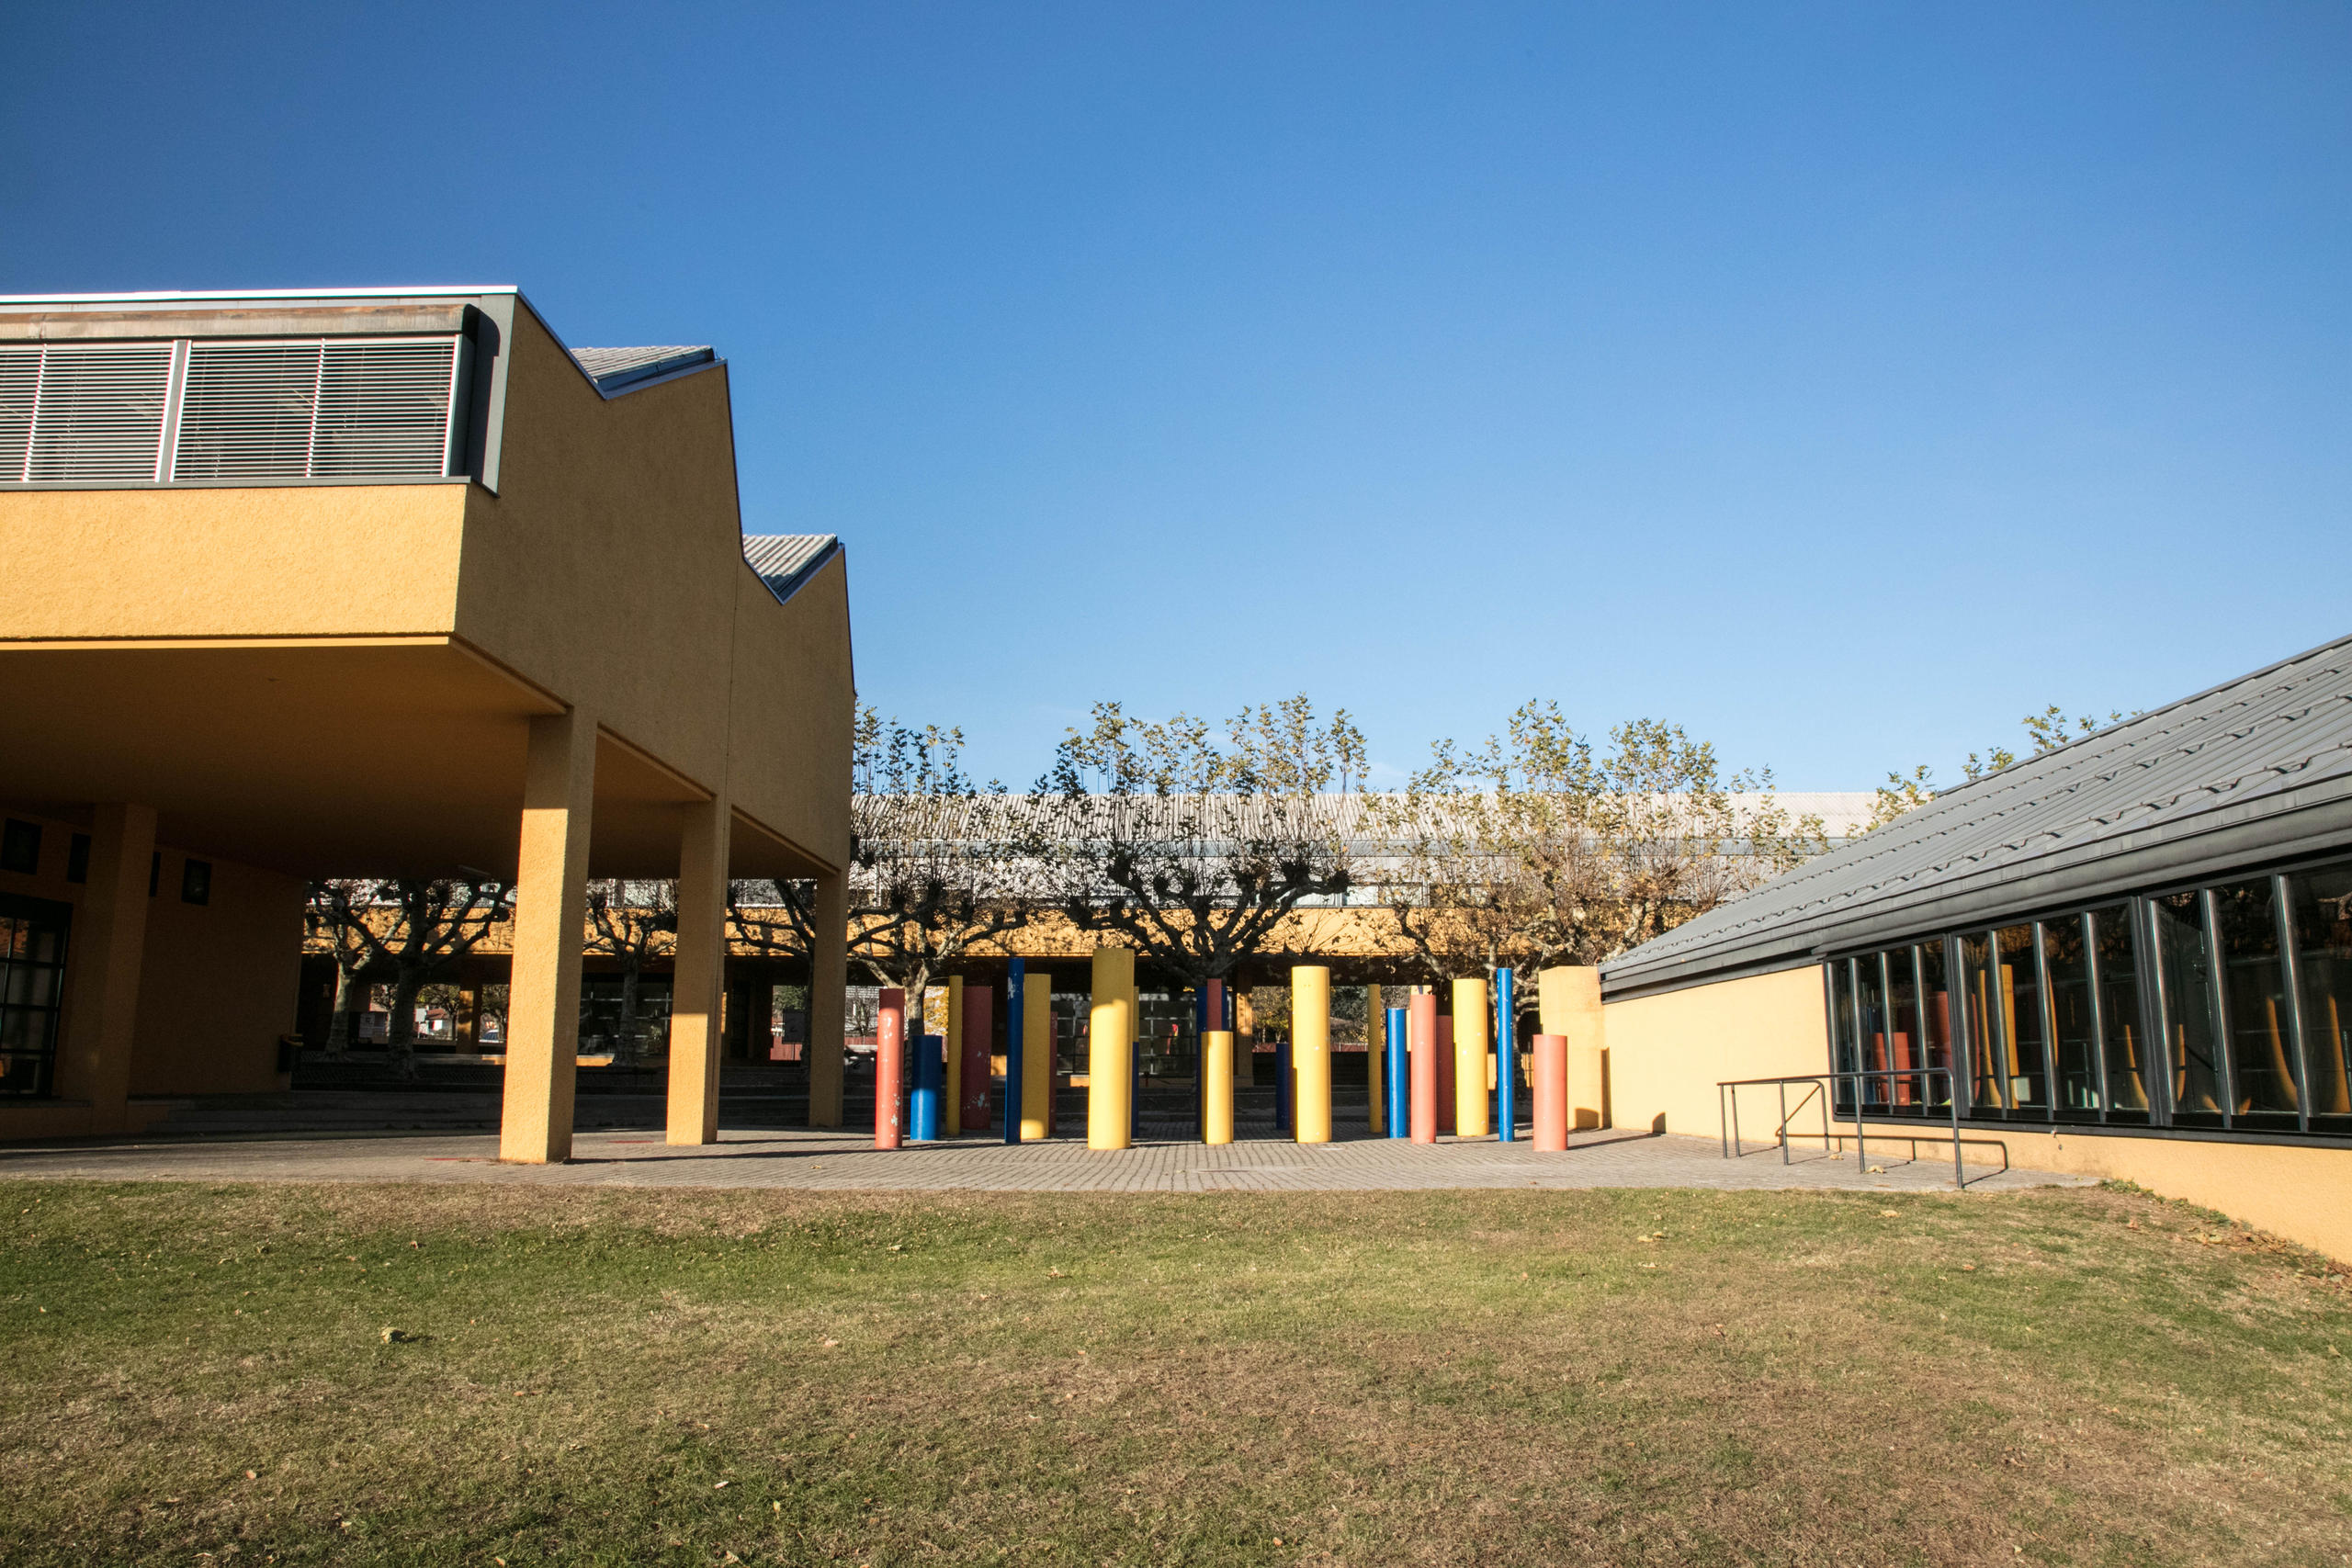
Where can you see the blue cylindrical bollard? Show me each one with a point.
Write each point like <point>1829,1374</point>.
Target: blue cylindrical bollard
<point>1506,1058</point>
<point>1016,998</point>
<point>1282,1086</point>
<point>931,1084</point>
<point>1396,1075</point>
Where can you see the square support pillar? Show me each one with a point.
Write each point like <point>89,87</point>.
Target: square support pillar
<point>700,981</point>
<point>551,925</point>
<point>827,1001</point>
<point>108,942</point>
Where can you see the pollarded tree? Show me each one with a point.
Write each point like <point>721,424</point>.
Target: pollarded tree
<point>1199,850</point>
<point>408,929</point>
<point>634,923</point>
<point>1534,849</point>
<point>938,867</point>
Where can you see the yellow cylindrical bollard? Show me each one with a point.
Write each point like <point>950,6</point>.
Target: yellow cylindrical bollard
<point>1216,1105</point>
<point>1375,1062</point>
<point>1037,1058</point>
<point>1110,1051</point>
<point>1310,1052</point>
<point>951,1114</point>
<point>1471,1027</point>
<point>1109,1062</point>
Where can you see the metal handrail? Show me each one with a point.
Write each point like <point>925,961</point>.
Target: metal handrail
<point>1727,1107</point>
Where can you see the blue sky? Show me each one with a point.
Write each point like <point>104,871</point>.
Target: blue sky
<point>1842,381</point>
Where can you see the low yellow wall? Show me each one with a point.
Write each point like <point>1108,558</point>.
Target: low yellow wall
<point>1667,1053</point>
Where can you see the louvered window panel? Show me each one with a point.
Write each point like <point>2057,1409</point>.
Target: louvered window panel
<point>247,411</point>
<point>384,408</point>
<point>19,382</point>
<point>98,412</point>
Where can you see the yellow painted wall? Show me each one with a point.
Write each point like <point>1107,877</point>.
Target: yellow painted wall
<point>1667,1053</point>
<point>281,560</point>
<point>217,981</point>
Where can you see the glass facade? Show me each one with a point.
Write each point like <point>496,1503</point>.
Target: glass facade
<point>2227,1006</point>
<point>32,987</point>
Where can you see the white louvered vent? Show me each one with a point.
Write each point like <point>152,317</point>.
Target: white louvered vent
<point>357,409</point>
<point>223,411</point>
<point>96,411</point>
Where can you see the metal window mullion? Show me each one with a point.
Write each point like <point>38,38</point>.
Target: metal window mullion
<point>2148,937</point>
<point>1997,1021</point>
<point>174,395</point>
<point>2046,1001</point>
<point>452,430</point>
<point>318,390</point>
<point>1919,1029</point>
<point>2290,982</point>
<point>2098,1013</point>
<point>2217,965</point>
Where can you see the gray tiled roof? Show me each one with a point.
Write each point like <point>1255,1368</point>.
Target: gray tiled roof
<point>784,561</point>
<point>2257,767</point>
<point>618,369</point>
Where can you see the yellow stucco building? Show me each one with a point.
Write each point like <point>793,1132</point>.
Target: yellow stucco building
<point>2129,957</point>
<point>381,582</point>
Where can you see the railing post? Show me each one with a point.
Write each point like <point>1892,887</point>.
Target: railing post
<point>1862,1091</point>
<point>1783,1087</point>
<point>1951,1088</point>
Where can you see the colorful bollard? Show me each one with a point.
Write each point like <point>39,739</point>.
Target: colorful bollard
<point>1399,1074</point>
<point>1283,1085</point>
<point>889,1067</point>
<point>1506,1058</point>
<point>1016,980</point>
<point>1426,1057</point>
<point>1216,1086</point>
<point>979,1030</point>
<point>1552,1092</point>
<point>1037,1059</point>
<point>931,1089</point>
<point>1310,1033</point>
<point>1446,1067</point>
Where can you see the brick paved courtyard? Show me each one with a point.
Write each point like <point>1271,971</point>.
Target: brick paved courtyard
<point>768,1157</point>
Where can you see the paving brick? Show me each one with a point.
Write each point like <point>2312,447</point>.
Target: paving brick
<point>837,1161</point>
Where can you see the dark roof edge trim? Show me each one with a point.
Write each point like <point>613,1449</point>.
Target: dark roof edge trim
<point>801,578</point>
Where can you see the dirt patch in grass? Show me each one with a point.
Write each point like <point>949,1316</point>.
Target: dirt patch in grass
<point>639,1376</point>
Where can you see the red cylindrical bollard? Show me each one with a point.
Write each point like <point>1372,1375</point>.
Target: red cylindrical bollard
<point>979,1033</point>
<point>1421,1038</point>
<point>1552,1092</point>
<point>1444,1070</point>
<point>890,1068</point>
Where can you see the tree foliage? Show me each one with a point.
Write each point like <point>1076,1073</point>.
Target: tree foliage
<point>401,931</point>
<point>2047,731</point>
<point>1536,849</point>
<point>1196,845</point>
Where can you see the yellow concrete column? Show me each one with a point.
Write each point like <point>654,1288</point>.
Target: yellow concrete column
<point>109,945</point>
<point>1216,1068</point>
<point>1569,999</point>
<point>827,1004</point>
<point>950,1115</point>
<point>699,984</point>
<point>1310,1052</point>
<point>1376,1047</point>
<point>549,926</point>
<point>1109,1050</point>
<point>1038,1058</point>
<point>1473,1022</point>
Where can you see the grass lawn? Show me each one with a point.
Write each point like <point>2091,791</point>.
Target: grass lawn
<point>197,1375</point>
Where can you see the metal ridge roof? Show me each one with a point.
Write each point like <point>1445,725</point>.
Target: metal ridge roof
<point>220,296</point>
<point>784,561</point>
<point>2263,760</point>
<point>622,370</point>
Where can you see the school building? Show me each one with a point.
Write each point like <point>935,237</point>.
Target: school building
<point>380,582</point>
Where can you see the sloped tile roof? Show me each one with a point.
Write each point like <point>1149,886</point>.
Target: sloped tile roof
<point>2259,767</point>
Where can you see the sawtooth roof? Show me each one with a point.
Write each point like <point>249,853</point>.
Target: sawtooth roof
<point>2259,768</point>
<point>784,561</point>
<point>617,370</point>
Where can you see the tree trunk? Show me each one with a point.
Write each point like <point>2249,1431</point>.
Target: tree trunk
<point>400,1041</point>
<point>625,1049</point>
<point>350,997</point>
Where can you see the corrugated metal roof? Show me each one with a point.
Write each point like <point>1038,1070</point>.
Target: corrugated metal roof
<point>2258,767</point>
<point>618,369</point>
<point>784,561</point>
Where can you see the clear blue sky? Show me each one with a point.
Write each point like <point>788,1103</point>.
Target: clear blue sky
<point>1840,380</point>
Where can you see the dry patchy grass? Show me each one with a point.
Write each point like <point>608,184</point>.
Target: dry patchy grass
<point>202,1375</point>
